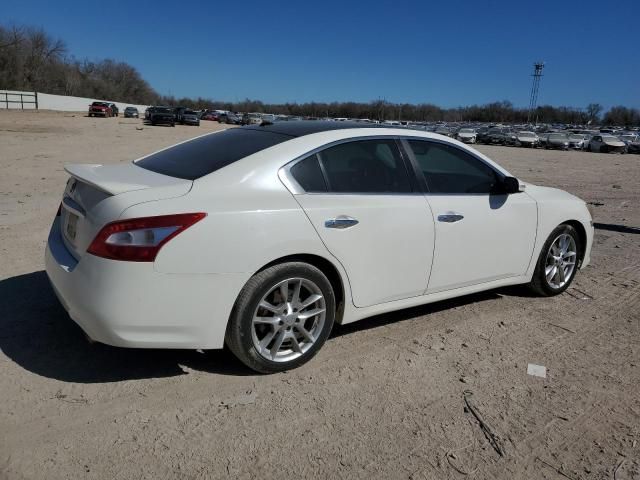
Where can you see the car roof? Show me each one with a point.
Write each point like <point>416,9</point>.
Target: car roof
<point>307,127</point>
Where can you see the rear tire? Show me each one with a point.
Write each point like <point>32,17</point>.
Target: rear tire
<point>289,331</point>
<point>554,271</point>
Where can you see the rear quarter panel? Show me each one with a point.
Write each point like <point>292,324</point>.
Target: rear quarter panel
<point>252,220</point>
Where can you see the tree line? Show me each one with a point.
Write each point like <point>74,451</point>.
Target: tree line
<point>30,59</point>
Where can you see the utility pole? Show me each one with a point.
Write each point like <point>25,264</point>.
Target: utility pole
<point>533,99</point>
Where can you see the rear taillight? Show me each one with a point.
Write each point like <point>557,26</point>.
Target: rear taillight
<point>140,239</point>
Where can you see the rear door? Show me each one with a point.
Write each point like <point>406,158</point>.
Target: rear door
<point>362,201</point>
<point>480,236</point>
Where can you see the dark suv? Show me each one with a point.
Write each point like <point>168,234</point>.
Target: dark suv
<point>162,116</point>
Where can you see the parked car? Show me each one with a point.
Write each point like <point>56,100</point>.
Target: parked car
<point>467,135</point>
<point>131,112</point>
<point>628,138</point>
<point>162,116</point>
<point>177,112</point>
<point>137,257</point>
<point>633,146</point>
<point>190,117</point>
<point>268,118</point>
<point>606,144</point>
<point>443,131</point>
<point>526,139</point>
<point>100,109</point>
<point>557,141</point>
<point>114,109</point>
<point>495,136</point>
<point>233,118</point>
<point>251,119</point>
<point>210,116</point>
<point>482,134</point>
<point>222,117</point>
<point>578,141</point>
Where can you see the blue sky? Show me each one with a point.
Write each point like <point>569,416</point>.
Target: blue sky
<point>449,53</point>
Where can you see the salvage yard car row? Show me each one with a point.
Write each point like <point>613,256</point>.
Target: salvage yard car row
<point>602,141</point>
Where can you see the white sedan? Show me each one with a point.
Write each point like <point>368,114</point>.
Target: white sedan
<point>263,237</point>
<point>467,135</point>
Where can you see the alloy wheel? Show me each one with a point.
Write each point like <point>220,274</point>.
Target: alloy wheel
<point>288,320</point>
<point>561,261</point>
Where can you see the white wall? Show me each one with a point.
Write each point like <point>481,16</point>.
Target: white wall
<point>63,103</point>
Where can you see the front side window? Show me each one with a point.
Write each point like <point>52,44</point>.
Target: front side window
<point>366,166</point>
<point>448,169</point>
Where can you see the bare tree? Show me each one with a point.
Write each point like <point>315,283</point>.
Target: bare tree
<point>593,111</point>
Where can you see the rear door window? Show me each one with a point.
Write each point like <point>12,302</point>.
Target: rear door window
<point>309,176</point>
<point>202,156</point>
<point>366,166</point>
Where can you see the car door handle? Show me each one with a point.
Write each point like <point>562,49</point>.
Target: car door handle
<point>450,217</point>
<point>340,222</point>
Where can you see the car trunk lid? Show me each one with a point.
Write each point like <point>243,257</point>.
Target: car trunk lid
<point>98,194</point>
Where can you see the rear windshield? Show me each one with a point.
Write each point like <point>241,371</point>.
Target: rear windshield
<point>202,156</point>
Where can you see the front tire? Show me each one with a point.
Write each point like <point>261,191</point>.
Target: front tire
<point>557,263</point>
<point>282,317</point>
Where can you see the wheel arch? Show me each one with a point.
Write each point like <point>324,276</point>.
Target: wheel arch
<point>327,268</point>
<point>582,233</point>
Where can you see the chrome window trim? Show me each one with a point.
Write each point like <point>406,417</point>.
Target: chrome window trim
<point>285,176</point>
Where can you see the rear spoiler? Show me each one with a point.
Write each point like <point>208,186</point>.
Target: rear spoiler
<point>120,177</point>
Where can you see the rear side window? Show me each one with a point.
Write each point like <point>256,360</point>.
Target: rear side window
<point>367,166</point>
<point>202,156</point>
<point>448,169</point>
<point>309,176</point>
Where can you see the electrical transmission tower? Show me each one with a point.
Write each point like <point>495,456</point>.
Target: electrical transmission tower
<point>533,99</point>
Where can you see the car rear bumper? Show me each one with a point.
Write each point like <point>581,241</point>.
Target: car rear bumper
<point>129,304</point>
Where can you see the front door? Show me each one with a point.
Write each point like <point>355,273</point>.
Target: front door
<point>480,236</point>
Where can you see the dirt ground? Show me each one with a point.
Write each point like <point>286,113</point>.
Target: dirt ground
<point>383,398</point>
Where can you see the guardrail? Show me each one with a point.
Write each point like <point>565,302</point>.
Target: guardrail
<point>6,101</point>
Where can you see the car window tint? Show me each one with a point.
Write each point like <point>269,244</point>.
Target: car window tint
<point>204,155</point>
<point>367,166</point>
<point>308,175</point>
<point>448,169</point>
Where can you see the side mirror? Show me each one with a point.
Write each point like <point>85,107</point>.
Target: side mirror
<point>510,185</point>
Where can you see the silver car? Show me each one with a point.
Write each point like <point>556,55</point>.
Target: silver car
<point>606,143</point>
<point>526,139</point>
<point>189,117</point>
<point>578,141</point>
